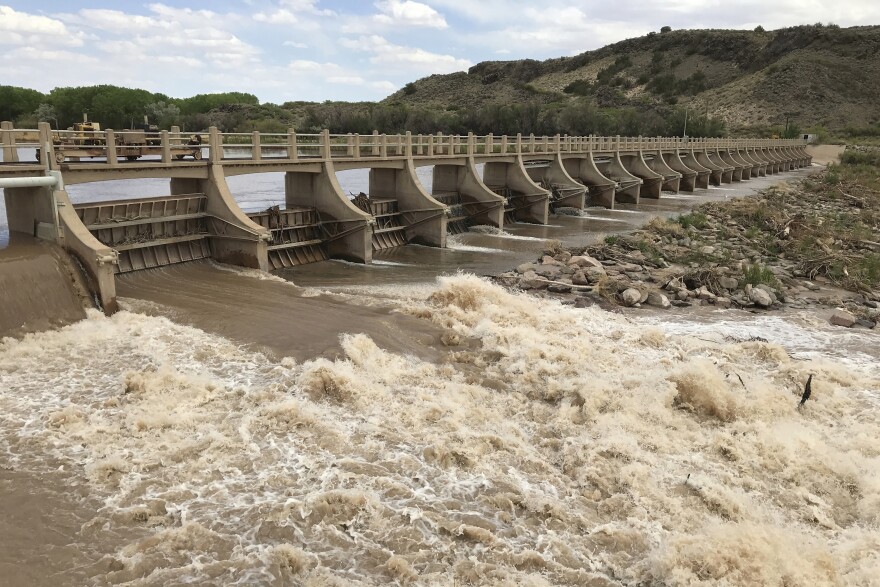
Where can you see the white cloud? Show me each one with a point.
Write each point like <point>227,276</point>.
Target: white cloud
<point>408,13</point>
<point>281,16</point>
<point>410,58</point>
<point>21,28</point>
<point>354,80</point>
<point>295,44</point>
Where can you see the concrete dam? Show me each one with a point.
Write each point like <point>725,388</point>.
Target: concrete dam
<point>477,180</point>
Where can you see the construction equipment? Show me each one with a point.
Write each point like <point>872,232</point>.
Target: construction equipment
<point>85,140</point>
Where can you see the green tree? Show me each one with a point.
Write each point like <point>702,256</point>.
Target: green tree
<point>46,113</point>
<point>16,102</point>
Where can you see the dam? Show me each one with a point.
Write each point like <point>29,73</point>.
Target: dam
<point>474,180</point>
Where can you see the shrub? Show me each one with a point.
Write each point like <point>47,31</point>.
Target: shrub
<point>696,219</point>
<point>757,274</point>
<point>666,29</point>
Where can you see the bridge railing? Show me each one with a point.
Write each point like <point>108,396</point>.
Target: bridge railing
<point>19,145</point>
<point>111,147</point>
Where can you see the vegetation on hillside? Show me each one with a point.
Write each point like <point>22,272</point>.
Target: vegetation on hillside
<point>818,78</point>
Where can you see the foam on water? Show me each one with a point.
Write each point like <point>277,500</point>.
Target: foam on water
<point>555,446</point>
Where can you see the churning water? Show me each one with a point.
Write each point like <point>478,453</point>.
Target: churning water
<point>382,427</point>
<point>548,446</point>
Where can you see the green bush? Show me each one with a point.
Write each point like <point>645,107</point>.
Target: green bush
<point>757,274</point>
<point>696,219</point>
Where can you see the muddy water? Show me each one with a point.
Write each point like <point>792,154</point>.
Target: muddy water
<point>196,440</point>
<point>39,287</point>
<point>568,447</point>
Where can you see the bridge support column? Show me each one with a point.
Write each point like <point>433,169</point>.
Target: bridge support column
<point>629,186</point>
<point>601,189</point>
<point>567,191</point>
<point>98,260</point>
<point>424,217</point>
<point>716,175</point>
<point>481,205</point>
<point>758,168</point>
<point>635,164</point>
<point>348,229</point>
<point>235,239</point>
<point>689,177</point>
<point>527,201</point>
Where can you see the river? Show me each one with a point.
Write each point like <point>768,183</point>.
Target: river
<point>407,422</point>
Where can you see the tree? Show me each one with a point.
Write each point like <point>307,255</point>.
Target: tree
<point>759,29</point>
<point>162,113</point>
<point>45,113</point>
<point>666,29</point>
<point>16,102</point>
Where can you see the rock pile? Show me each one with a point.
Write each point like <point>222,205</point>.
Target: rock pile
<point>719,256</point>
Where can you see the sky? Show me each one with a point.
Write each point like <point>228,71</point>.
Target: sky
<point>316,50</point>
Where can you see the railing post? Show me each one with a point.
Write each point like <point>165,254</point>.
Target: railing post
<point>429,151</point>
<point>519,143</point>
<point>325,145</point>
<point>375,143</point>
<point>383,146</point>
<point>256,149</point>
<point>471,143</point>
<point>504,144</point>
<point>47,146</point>
<point>216,145</point>
<point>112,158</point>
<point>166,147</point>
<point>292,153</point>
<point>7,138</point>
<point>356,146</point>
<point>490,144</point>
<point>531,142</point>
<point>407,145</point>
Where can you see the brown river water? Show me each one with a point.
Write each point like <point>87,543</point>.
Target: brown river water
<point>408,423</point>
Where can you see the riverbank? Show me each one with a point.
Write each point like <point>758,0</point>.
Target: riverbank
<point>809,243</point>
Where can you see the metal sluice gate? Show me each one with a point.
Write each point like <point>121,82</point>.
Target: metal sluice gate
<point>151,232</point>
<point>297,238</point>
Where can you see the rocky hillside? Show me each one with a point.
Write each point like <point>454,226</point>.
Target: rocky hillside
<point>820,75</point>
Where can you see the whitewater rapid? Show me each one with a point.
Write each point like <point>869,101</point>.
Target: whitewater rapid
<point>552,446</point>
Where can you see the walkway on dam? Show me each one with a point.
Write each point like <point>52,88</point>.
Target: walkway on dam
<point>487,180</point>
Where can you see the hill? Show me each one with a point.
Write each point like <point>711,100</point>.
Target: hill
<point>812,76</point>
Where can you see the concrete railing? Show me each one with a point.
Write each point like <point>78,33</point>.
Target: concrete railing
<point>112,148</point>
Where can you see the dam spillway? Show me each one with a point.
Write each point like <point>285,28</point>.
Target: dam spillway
<point>520,178</point>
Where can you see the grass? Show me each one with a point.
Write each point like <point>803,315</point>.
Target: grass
<point>757,274</point>
<point>696,220</point>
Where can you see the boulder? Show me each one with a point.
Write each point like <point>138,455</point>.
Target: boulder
<point>525,267</point>
<point>559,288</point>
<point>579,278</point>
<point>594,274</point>
<point>682,295</point>
<point>761,298</point>
<point>584,261</point>
<point>657,299</point>
<point>722,302</point>
<point>549,271</point>
<point>548,260</point>
<point>707,249</point>
<point>631,297</point>
<point>533,283</point>
<point>728,283</point>
<point>562,257</point>
<point>842,318</point>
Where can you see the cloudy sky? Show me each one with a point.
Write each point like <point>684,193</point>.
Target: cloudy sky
<point>284,50</point>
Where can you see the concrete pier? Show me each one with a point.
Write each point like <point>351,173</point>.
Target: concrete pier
<point>199,218</point>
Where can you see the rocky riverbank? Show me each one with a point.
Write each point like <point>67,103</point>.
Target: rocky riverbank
<point>800,245</point>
